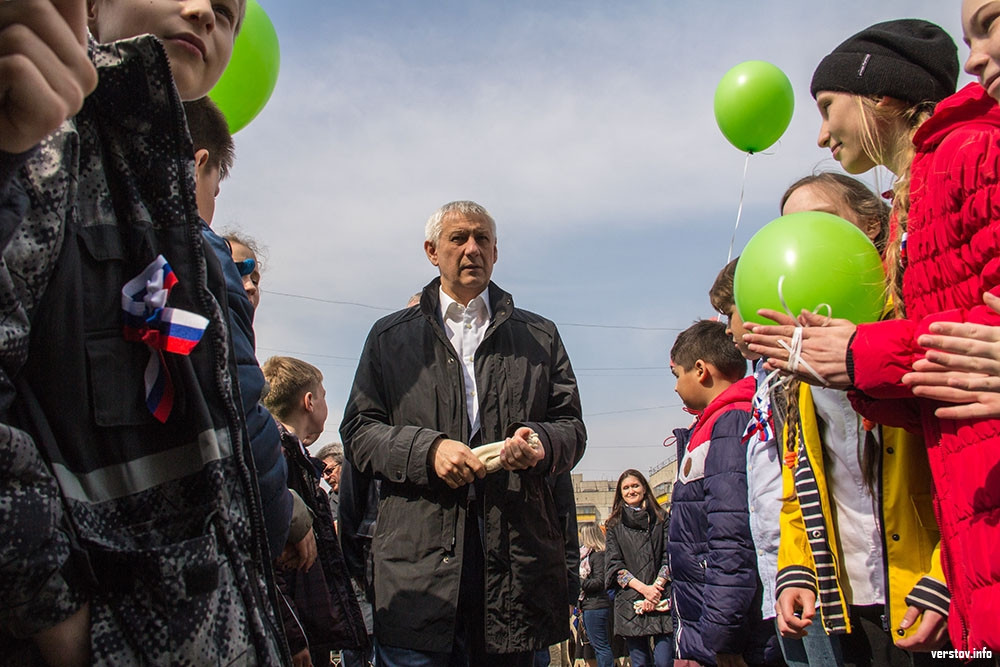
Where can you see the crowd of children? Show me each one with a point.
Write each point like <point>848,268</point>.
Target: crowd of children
<point>842,516</point>
<point>858,508</point>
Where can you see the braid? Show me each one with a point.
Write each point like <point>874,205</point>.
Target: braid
<point>793,421</point>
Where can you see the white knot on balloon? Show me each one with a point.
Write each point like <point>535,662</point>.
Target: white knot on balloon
<point>795,349</point>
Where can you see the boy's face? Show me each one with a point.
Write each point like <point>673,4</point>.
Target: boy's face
<point>316,418</point>
<point>207,177</point>
<point>688,386</point>
<point>197,34</point>
<point>735,330</point>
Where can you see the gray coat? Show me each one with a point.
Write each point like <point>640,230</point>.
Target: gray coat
<point>409,391</point>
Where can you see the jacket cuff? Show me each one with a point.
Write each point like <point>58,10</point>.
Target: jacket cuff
<point>849,361</point>
<point>929,593</point>
<point>795,576</point>
<point>417,468</point>
<point>881,354</point>
<point>545,466</point>
<point>302,520</point>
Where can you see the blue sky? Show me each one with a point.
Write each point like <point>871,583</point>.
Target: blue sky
<point>586,128</point>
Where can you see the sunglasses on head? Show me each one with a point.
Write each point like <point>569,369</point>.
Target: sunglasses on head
<point>246,266</point>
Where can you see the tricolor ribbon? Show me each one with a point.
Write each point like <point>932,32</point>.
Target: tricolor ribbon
<point>760,425</point>
<point>162,329</point>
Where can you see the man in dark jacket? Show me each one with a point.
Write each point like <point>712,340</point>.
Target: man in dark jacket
<point>468,566</point>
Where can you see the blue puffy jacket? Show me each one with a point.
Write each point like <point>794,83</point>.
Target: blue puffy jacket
<point>716,591</point>
<point>265,441</point>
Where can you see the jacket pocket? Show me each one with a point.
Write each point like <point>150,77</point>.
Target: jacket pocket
<point>117,386</point>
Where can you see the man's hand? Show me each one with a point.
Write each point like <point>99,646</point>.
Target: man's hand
<point>518,453</point>
<point>67,644</point>
<point>301,555</point>
<point>796,608</point>
<point>45,73</point>
<point>455,463</point>
<point>729,660</point>
<point>931,634</point>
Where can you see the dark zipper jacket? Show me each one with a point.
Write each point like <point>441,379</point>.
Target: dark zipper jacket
<point>157,526</point>
<point>409,391</point>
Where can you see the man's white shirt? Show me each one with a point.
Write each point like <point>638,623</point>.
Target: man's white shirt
<point>465,327</point>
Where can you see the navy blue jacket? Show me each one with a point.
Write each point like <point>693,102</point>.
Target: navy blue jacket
<point>265,440</point>
<point>717,593</point>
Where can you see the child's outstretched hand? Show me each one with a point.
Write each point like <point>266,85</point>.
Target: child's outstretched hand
<point>45,73</point>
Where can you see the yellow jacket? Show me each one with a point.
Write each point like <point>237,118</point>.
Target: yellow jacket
<point>910,536</point>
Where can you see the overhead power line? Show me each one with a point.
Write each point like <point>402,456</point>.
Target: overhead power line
<point>618,412</point>
<point>339,302</point>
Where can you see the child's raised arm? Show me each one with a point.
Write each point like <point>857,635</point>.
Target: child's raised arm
<point>45,73</point>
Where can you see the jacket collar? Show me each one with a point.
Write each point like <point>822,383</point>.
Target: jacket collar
<point>637,519</point>
<point>500,302</point>
<point>740,392</point>
<point>970,104</point>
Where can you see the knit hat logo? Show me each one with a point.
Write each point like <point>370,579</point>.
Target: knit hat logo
<point>864,64</point>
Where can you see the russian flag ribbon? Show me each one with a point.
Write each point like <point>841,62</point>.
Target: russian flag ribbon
<point>761,423</point>
<point>164,330</point>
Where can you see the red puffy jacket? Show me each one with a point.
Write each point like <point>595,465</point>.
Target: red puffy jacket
<point>953,251</point>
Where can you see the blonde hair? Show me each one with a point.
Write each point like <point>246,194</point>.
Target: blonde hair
<point>893,146</point>
<point>592,537</point>
<point>289,379</point>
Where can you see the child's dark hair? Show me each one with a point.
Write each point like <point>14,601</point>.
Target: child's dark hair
<point>210,131</point>
<point>649,499</point>
<point>707,340</point>
<point>721,295</point>
<point>870,208</point>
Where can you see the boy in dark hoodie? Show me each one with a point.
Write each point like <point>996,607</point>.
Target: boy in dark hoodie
<point>716,589</point>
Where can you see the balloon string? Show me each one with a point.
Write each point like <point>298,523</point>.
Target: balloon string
<point>764,388</point>
<point>795,349</point>
<point>739,211</point>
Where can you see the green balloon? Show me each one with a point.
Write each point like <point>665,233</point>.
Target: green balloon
<point>817,258</point>
<point>753,105</point>
<point>247,84</point>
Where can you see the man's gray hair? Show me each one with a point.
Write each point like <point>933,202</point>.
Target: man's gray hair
<point>470,209</point>
<point>334,451</point>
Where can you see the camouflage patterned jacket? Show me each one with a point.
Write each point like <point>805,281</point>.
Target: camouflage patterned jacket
<point>158,526</point>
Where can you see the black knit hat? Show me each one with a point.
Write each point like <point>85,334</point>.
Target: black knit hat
<point>909,59</point>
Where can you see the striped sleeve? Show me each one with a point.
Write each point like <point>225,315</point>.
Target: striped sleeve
<point>795,576</point>
<point>929,593</point>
